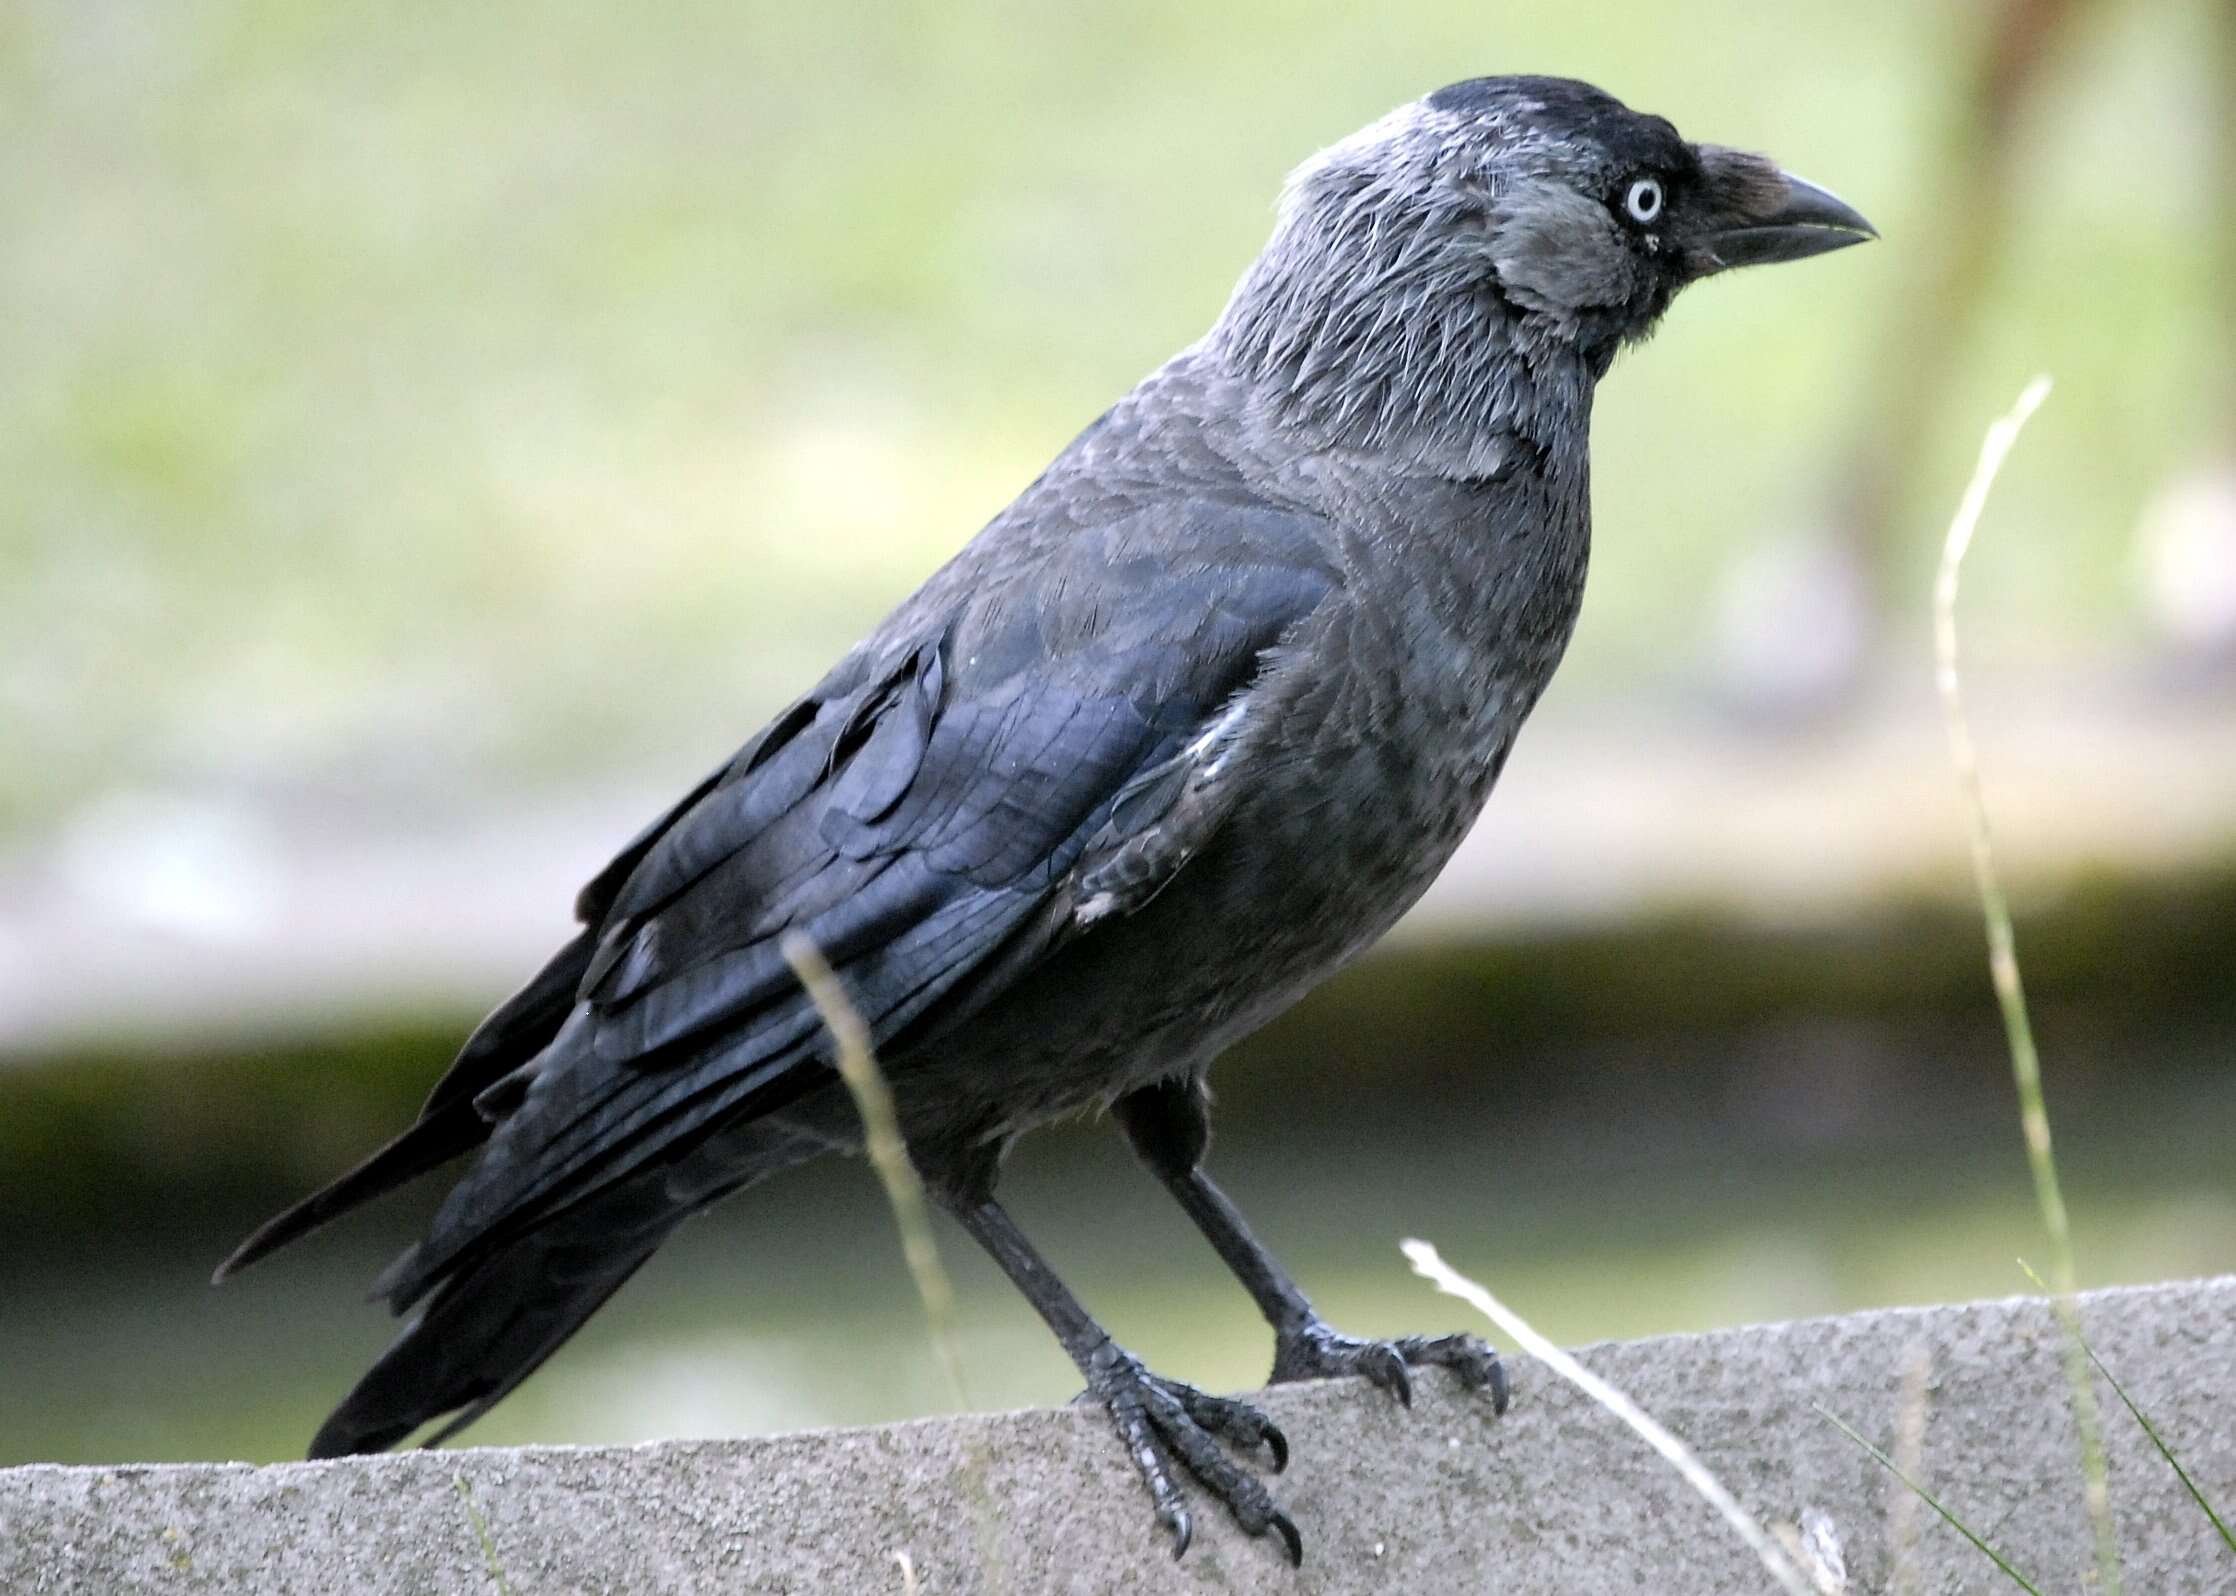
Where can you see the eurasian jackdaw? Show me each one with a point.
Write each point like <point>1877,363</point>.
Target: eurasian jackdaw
<point>1185,728</point>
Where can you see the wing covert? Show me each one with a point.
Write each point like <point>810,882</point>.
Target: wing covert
<point>911,816</point>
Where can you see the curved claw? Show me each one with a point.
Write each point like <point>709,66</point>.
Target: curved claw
<point>1278,1445</point>
<point>1183,1531</point>
<point>1499,1392</point>
<point>1289,1538</point>
<point>1379,1363</point>
<point>1387,1370</point>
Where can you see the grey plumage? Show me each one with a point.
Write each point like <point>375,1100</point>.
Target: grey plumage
<point>1187,726</point>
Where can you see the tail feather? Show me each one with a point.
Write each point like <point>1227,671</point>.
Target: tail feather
<point>432,1142</point>
<point>520,1028</point>
<point>491,1327</point>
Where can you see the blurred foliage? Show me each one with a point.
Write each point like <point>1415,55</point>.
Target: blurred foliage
<point>505,390</point>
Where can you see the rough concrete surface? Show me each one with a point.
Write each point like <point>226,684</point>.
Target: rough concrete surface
<point>1556,1497</point>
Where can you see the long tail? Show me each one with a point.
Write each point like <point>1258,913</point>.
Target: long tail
<point>449,1125</point>
<point>490,1327</point>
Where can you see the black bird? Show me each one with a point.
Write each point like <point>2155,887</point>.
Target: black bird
<point>1185,728</point>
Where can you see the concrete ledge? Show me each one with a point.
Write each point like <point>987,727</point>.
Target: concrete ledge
<point>1554,1498</point>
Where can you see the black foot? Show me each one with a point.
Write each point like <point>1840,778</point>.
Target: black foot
<point>1318,1353</point>
<point>1165,1423</point>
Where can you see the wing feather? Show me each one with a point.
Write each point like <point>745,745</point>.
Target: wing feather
<point>912,816</point>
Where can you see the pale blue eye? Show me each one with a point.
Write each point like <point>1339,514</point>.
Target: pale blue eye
<point>1644,200</point>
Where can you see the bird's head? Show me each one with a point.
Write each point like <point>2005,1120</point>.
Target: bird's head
<point>1491,247</point>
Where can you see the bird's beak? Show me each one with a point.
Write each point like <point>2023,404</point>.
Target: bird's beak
<point>1758,214</point>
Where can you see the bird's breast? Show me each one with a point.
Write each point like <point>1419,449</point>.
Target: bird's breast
<point>1361,760</point>
<point>1404,715</point>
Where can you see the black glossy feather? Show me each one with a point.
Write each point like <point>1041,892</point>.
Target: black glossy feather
<point>910,816</point>
<point>448,1125</point>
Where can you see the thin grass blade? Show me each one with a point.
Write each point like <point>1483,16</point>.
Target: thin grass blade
<point>2149,1429</point>
<point>1930,1500</point>
<point>2003,970</point>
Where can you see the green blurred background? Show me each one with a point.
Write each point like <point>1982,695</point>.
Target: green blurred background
<point>430,436</point>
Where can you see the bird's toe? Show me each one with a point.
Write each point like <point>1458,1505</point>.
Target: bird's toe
<point>1242,1493</point>
<point>1316,1352</point>
<point>1129,1415</point>
<point>1470,1358</point>
<point>1168,1427</point>
<point>1384,1364</point>
<point>1238,1423</point>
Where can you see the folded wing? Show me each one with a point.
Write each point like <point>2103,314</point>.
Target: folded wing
<point>922,812</point>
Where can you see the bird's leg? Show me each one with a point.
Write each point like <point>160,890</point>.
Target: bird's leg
<point>1162,1422</point>
<point>1169,1125</point>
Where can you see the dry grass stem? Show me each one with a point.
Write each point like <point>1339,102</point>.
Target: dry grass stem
<point>2003,969</point>
<point>888,1152</point>
<point>1909,1459</point>
<point>480,1526</point>
<point>1433,1268</point>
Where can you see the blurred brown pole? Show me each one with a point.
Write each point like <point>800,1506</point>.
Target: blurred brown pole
<point>1955,254</point>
